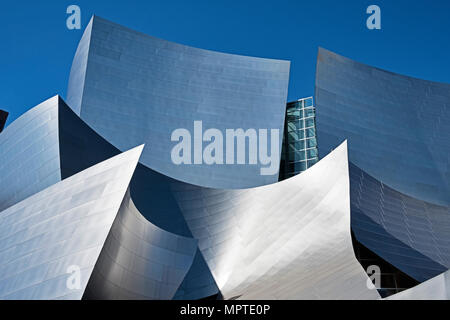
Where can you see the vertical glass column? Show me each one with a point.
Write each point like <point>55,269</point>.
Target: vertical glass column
<point>299,151</point>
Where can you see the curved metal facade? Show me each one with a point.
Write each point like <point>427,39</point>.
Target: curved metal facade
<point>76,148</point>
<point>45,145</point>
<point>62,226</point>
<point>224,249</point>
<point>140,260</point>
<point>154,230</point>
<point>280,241</point>
<point>29,159</point>
<point>398,128</point>
<point>411,234</point>
<point>132,88</point>
<point>398,132</point>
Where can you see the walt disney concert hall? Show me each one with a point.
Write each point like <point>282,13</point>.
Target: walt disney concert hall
<point>358,206</point>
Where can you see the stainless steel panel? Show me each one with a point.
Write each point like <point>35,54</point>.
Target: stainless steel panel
<point>398,129</point>
<point>140,260</point>
<point>289,240</point>
<point>29,158</point>
<point>59,227</point>
<point>133,88</point>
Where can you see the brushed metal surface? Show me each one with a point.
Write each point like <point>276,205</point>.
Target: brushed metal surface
<point>133,88</point>
<point>397,127</point>
<point>140,260</point>
<point>64,225</point>
<point>289,240</point>
<point>29,157</point>
<point>398,131</point>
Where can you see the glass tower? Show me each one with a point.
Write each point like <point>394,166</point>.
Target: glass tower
<point>299,150</point>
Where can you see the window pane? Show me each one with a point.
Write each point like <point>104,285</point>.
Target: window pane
<point>308,102</point>
<point>291,167</point>
<point>309,123</point>
<point>312,153</point>
<point>299,144</point>
<point>311,143</point>
<point>300,124</point>
<point>300,166</point>
<point>294,135</point>
<point>297,156</point>
<point>310,132</point>
<point>294,113</point>
<point>309,112</point>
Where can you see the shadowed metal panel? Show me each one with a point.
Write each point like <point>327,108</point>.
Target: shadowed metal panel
<point>398,130</point>
<point>412,235</point>
<point>81,147</point>
<point>152,195</point>
<point>289,240</point>
<point>398,127</point>
<point>64,225</point>
<point>50,142</point>
<point>78,147</point>
<point>45,145</point>
<point>199,282</point>
<point>29,158</point>
<point>437,288</point>
<point>138,89</point>
<point>391,279</point>
<point>3,118</point>
<point>140,260</point>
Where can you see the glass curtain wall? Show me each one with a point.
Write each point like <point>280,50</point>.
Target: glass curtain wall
<point>299,151</point>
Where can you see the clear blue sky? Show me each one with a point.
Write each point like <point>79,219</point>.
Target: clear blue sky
<point>37,48</point>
